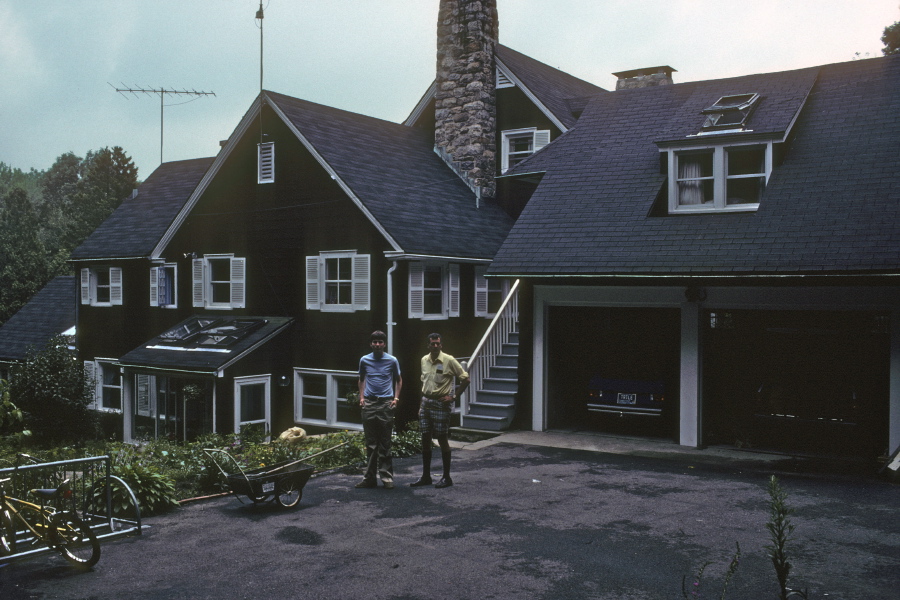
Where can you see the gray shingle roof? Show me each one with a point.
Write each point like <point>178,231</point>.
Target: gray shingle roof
<point>138,224</point>
<point>395,173</point>
<point>560,92</point>
<point>832,206</point>
<point>50,312</point>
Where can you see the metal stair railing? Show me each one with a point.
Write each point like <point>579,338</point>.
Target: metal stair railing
<point>491,345</point>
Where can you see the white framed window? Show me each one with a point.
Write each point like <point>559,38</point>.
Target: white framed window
<point>219,281</point>
<point>718,178</point>
<point>433,290</point>
<point>320,398</point>
<point>338,281</point>
<point>106,380</point>
<point>518,144</point>
<point>489,293</point>
<point>266,162</point>
<point>253,403</point>
<point>162,285</point>
<point>101,286</point>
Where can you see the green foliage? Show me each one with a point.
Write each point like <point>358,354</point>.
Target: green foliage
<point>891,39</point>
<point>154,491</point>
<point>696,592</point>
<point>24,268</point>
<point>780,530</point>
<point>12,419</point>
<point>51,388</point>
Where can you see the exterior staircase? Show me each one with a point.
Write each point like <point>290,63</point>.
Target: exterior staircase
<point>490,401</point>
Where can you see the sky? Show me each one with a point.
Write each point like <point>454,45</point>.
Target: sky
<point>62,60</point>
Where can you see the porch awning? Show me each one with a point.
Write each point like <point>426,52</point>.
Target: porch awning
<point>204,344</point>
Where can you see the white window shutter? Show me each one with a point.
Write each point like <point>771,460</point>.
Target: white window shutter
<point>453,280</point>
<point>481,292</point>
<point>361,286</point>
<point>266,153</point>
<point>85,286</point>
<point>197,281</point>
<point>416,290</point>
<point>115,285</point>
<point>92,381</point>
<point>238,282</point>
<point>312,283</point>
<point>142,395</point>
<point>541,138</point>
<point>154,286</point>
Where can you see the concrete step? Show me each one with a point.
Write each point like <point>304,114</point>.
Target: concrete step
<point>497,397</point>
<point>507,360</point>
<point>495,384</point>
<point>488,409</point>
<point>486,423</point>
<point>504,372</point>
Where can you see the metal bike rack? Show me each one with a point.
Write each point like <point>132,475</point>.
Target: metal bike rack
<point>91,497</point>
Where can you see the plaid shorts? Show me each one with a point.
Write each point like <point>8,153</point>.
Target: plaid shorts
<point>434,416</point>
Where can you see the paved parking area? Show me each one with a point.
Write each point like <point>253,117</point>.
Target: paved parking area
<point>620,520</point>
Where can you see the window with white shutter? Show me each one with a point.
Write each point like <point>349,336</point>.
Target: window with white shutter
<point>489,293</point>
<point>162,286</point>
<point>433,290</point>
<point>219,281</point>
<point>101,286</point>
<point>338,281</point>
<point>519,144</point>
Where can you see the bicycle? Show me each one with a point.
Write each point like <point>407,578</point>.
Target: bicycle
<point>62,531</point>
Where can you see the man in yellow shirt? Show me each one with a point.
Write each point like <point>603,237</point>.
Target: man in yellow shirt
<point>438,395</point>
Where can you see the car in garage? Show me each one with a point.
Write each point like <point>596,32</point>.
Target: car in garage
<point>626,396</point>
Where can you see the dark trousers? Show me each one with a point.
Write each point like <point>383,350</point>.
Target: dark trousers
<point>378,424</point>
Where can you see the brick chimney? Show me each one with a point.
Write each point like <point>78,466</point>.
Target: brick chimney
<point>465,102</point>
<point>641,78</point>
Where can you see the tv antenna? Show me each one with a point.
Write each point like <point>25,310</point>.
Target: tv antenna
<point>162,96</point>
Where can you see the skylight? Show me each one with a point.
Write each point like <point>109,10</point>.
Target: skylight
<point>729,112</point>
<point>203,332</point>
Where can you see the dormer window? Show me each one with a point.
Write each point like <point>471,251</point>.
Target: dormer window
<point>519,144</point>
<point>729,112</point>
<point>718,178</point>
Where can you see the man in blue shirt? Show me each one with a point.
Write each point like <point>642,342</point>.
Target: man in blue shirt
<point>379,392</point>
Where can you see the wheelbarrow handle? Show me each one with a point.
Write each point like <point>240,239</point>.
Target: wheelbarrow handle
<point>306,458</point>
<point>233,459</point>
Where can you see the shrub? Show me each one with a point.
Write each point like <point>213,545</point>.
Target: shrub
<point>51,389</point>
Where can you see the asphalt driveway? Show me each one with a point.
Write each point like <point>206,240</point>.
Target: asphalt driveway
<point>522,521</point>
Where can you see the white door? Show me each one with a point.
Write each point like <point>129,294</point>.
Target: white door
<point>252,404</point>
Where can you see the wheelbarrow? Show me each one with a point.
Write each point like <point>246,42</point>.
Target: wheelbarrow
<point>282,481</point>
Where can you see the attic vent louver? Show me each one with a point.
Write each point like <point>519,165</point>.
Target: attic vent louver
<point>503,80</point>
<point>729,112</point>
<point>266,153</point>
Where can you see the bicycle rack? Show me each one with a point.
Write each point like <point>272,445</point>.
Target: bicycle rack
<point>91,498</point>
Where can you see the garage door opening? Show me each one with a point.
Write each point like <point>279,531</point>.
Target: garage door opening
<point>797,381</point>
<point>613,370</point>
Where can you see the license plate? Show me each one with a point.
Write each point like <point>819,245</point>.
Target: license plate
<point>626,398</point>
<point>268,487</point>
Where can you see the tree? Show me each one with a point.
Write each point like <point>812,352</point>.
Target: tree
<point>891,39</point>
<point>108,177</point>
<point>54,392</point>
<point>24,265</point>
<point>59,185</point>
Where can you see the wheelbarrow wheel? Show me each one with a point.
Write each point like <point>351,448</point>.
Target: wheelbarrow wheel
<point>287,493</point>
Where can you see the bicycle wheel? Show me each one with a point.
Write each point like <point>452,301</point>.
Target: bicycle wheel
<point>75,540</point>
<point>287,493</point>
<point>7,534</point>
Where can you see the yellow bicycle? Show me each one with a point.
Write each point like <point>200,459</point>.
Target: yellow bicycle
<point>23,522</point>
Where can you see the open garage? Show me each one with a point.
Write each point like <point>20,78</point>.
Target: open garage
<point>638,348</point>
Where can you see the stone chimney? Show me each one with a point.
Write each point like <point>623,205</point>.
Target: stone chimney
<point>465,101</point>
<point>641,78</point>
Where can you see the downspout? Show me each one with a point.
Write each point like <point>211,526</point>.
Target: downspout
<point>390,307</point>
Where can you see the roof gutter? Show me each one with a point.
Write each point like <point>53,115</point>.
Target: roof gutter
<point>400,255</point>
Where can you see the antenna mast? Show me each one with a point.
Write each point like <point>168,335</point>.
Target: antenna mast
<point>162,95</point>
<point>259,15</point>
